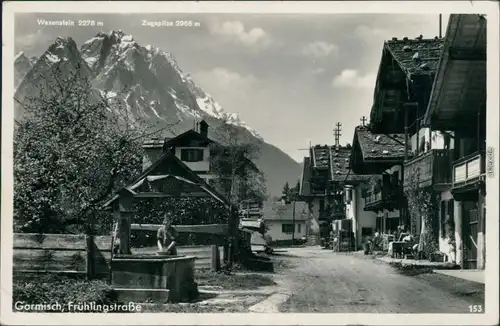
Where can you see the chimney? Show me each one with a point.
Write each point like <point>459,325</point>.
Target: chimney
<point>153,149</point>
<point>203,128</point>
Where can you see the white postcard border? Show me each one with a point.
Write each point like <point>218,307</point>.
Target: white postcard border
<point>275,7</point>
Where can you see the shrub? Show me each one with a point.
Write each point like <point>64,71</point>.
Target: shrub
<point>56,289</point>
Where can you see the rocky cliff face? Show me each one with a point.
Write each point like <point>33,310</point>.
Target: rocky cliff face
<point>151,85</point>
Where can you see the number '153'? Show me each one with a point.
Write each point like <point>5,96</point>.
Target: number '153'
<point>476,308</point>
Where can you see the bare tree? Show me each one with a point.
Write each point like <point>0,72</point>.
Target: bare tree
<point>232,160</point>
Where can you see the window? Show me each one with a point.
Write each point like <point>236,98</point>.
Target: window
<point>192,154</point>
<point>298,226</point>
<point>287,228</point>
<point>365,232</point>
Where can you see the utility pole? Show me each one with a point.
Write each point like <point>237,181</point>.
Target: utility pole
<point>337,133</point>
<point>293,219</point>
<point>363,121</point>
<point>440,25</point>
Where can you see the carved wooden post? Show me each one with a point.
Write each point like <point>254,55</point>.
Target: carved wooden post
<point>215,258</point>
<point>125,220</point>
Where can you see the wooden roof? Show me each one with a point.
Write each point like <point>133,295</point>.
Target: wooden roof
<point>380,146</point>
<point>335,160</point>
<point>340,168</point>
<point>321,156</point>
<point>460,83</point>
<point>372,153</point>
<point>406,72</point>
<point>276,211</point>
<point>416,56</point>
<point>176,170</point>
<point>187,137</point>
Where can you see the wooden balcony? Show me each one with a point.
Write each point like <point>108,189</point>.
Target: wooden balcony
<point>468,170</point>
<point>434,168</point>
<point>387,198</point>
<point>373,198</point>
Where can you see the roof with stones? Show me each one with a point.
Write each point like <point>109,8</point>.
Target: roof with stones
<point>339,168</point>
<point>380,146</point>
<point>416,56</point>
<point>320,156</point>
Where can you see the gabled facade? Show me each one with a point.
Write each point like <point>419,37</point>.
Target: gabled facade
<point>195,150</point>
<point>333,191</point>
<point>285,221</point>
<point>395,135</point>
<point>351,187</point>
<point>404,80</point>
<point>382,156</point>
<point>191,147</point>
<point>458,106</point>
<point>314,181</point>
<point>167,177</point>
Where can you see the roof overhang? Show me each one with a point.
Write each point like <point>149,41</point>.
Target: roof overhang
<point>459,88</point>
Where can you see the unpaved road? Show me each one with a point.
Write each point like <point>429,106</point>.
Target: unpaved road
<point>324,281</point>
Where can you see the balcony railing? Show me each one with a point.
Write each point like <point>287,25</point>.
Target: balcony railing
<point>468,169</point>
<point>434,168</point>
<point>373,197</point>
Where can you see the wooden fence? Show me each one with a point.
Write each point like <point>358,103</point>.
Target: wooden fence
<point>88,256</point>
<point>67,254</point>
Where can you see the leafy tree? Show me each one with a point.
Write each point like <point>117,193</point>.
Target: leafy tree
<point>297,187</point>
<point>286,191</point>
<point>232,162</point>
<point>70,154</point>
<point>291,193</point>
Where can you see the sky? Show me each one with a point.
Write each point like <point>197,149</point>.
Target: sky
<point>289,77</point>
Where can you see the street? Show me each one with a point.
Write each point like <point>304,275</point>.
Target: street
<point>319,280</point>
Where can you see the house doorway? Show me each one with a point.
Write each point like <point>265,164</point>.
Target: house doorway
<point>470,231</point>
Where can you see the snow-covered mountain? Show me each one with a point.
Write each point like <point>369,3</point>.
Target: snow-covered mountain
<point>22,65</point>
<point>151,85</point>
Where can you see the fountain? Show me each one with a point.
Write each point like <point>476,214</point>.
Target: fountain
<point>148,277</point>
<point>157,278</point>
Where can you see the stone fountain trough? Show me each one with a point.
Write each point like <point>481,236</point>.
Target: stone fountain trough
<point>153,278</point>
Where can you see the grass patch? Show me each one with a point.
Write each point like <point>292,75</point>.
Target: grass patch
<point>192,308</point>
<point>49,289</point>
<point>232,281</point>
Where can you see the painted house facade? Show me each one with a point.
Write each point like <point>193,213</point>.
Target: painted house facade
<point>458,107</point>
<point>191,147</point>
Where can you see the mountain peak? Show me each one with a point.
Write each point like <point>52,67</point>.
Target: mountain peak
<point>148,83</point>
<point>118,36</point>
<point>60,40</point>
<point>20,56</point>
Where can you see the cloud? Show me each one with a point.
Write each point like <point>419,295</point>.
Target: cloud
<point>318,71</point>
<point>224,79</point>
<point>319,49</point>
<point>28,41</point>
<point>349,78</point>
<point>371,33</point>
<point>236,31</point>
